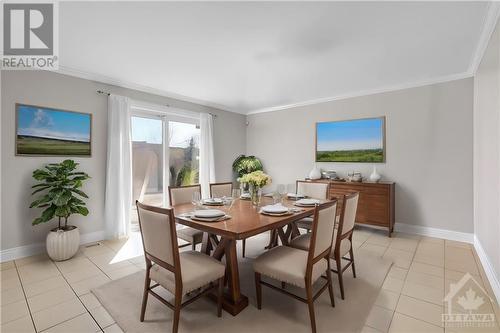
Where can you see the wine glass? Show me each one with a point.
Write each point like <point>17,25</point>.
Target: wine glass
<point>236,193</point>
<point>276,196</point>
<point>228,203</point>
<point>196,200</point>
<point>281,190</point>
<point>290,188</point>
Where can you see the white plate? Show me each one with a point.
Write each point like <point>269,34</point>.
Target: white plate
<point>245,196</point>
<point>213,201</point>
<point>294,195</point>
<point>275,209</point>
<point>307,202</point>
<point>208,213</point>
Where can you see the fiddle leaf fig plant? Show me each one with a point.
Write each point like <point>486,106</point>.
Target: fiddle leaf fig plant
<point>60,192</point>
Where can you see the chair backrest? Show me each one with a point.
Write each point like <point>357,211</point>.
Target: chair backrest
<point>182,194</point>
<point>323,229</point>
<point>219,190</point>
<point>159,237</point>
<point>348,214</point>
<point>313,189</point>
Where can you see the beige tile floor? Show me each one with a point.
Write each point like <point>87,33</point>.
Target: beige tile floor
<point>38,295</point>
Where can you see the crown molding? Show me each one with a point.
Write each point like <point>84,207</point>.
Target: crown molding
<point>139,87</point>
<point>385,89</point>
<point>489,24</point>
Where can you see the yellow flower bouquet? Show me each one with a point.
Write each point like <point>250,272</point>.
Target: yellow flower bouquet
<point>256,180</point>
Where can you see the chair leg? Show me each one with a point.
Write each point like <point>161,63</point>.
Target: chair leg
<point>244,247</point>
<point>177,311</point>
<point>339,273</point>
<point>193,245</point>
<point>258,290</point>
<point>147,282</point>
<point>330,283</point>
<point>351,253</point>
<point>310,303</point>
<point>219,297</point>
<point>283,285</point>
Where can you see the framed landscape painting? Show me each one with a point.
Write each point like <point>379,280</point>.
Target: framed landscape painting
<point>357,140</point>
<point>52,132</point>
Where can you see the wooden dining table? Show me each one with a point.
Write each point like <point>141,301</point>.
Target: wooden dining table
<point>219,239</point>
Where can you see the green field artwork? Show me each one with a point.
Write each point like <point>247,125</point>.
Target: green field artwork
<point>44,131</point>
<point>359,140</point>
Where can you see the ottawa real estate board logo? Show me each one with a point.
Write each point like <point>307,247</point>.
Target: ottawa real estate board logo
<point>30,39</point>
<point>468,305</point>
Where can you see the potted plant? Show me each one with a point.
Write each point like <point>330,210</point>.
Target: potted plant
<point>256,180</point>
<point>60,196</point>
<point>243,165</point>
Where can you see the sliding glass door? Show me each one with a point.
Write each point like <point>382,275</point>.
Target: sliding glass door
<point>184,153</point>
<point>147,159</point>
<point>165,151</point>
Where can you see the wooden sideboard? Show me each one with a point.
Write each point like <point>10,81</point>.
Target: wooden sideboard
<point>376,201</point>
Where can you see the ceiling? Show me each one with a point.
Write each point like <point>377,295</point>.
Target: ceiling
<point>256,56</point>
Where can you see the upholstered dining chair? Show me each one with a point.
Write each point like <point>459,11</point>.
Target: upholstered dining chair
<point>313,190</point>
<point>179,273</point>
<point>301,268</point>
<point>342,239</point>
<point>219,190</point>
<point>180,195</point>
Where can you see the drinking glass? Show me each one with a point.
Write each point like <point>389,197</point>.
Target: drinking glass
<point>236,193</point>
<point>196,200</point>
<point>281,189</point>
<point>228,203</point>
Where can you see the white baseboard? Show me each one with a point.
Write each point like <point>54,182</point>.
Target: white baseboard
<point>488,268</point>
<point>33,249</point>
<point>435,232</point>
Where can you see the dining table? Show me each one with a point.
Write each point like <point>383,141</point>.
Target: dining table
<point>246,220</point>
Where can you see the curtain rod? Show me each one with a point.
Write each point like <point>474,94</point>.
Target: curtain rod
<point>108,93</point>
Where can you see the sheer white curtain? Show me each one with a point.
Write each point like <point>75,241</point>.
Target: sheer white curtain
<point>118,198</point>
<point>207,161</point>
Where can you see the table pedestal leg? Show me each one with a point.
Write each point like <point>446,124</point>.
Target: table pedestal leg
<point>234,302</point>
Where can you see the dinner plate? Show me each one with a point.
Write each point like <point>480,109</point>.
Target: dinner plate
<point>212,201</point>
<point>245,196</point>
<point>294,195</point>
<point>211,219</point>
<point>208,213</point>
<point>275,209</point>
<point>307,202</point>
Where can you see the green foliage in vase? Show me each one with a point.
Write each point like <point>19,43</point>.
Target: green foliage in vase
<point>60,192</point>
<point>243,165</point>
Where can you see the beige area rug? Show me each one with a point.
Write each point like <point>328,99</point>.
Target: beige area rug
<point>280,313</point>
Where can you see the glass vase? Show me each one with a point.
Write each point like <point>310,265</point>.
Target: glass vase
<point>255,195</point>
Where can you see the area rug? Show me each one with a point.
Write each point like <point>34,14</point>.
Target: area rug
<point>280,313</point>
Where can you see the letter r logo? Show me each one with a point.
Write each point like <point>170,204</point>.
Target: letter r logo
<point>28,29</point>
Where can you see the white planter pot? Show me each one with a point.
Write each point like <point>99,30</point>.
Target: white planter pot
<point>61,244</point>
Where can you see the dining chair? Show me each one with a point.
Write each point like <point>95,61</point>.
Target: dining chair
<point>219,190</point>
<point>179,273</point>
<point>342,238</point>
<point>315,190</point>
<point>298,267</point>
<point>180,195</point>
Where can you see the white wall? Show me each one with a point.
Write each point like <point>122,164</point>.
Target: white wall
<point>70,93</point>
<point>487,153</point>
<point>428,142</point>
